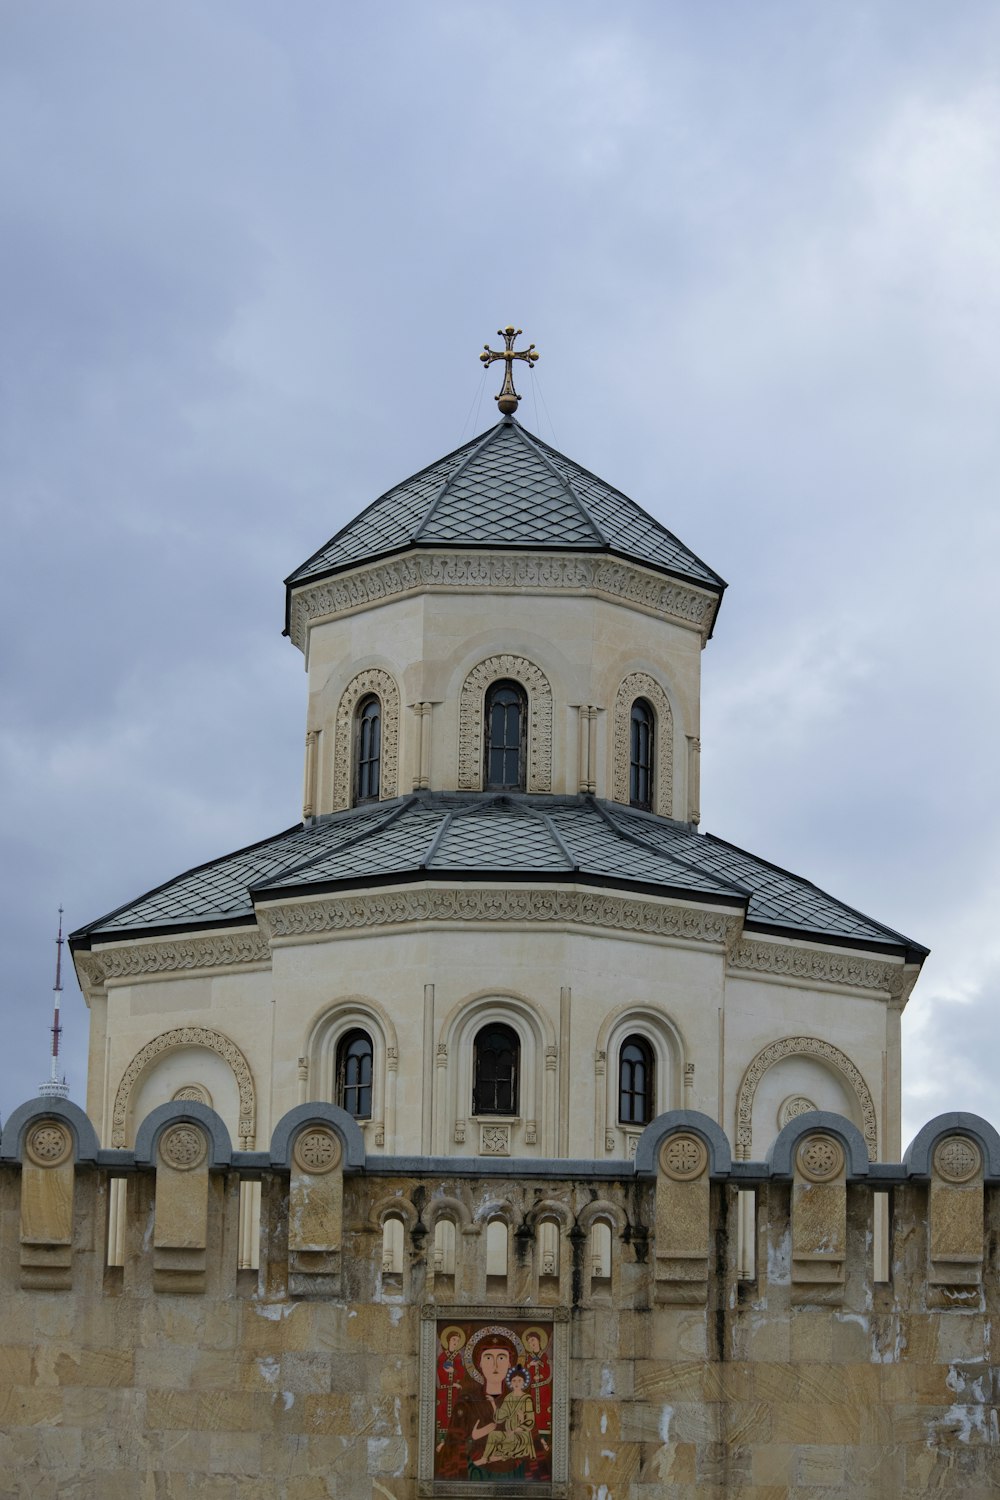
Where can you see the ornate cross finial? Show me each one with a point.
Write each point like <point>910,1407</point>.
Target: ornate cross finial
<point>508,398</point>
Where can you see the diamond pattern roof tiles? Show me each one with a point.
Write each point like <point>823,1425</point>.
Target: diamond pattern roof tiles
<point>439,834</point>
<point>506,489</point>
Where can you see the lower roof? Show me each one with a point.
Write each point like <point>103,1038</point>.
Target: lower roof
<point>511,838</point>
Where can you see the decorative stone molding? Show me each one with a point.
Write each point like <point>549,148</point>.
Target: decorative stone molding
<point>683,1157</point>
<point>806,1046</point>
<point>641,685</point>
<point>372,680</point>
<point>792,1107</point>
<point>494,1140</point>
<point>232,949</point>
<point>817,967</point>
<point>957,1159</point>
<point>189,1036</point>
<point>517,904</point>
<point>470,721</point>
<point>820,1158</point>
<point>195,1092</point>
<point>330,597</point>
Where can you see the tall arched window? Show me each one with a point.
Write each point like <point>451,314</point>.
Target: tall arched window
<point>640,769</point>
<point>497,1059</point>
<point>506,721</point>
<point>354,1074</point>
<point>368,749</point>
<point>635,1082</point>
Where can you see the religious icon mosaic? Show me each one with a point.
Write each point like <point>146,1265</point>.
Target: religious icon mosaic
<point>498,1383</point>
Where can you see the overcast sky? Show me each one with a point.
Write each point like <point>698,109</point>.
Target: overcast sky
<point>249,253</point>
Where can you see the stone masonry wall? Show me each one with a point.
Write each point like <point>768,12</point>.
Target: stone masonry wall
<point>175,1374</point>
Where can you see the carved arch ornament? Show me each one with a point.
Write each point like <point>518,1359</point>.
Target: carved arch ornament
<point>802,1046</point>
<point>470,721</point>
<point>372,680</point>
<point>189,1036</point>
<point>641,685</point>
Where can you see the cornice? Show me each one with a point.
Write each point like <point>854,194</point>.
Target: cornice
<point>305,918</point>
<point>237,948</point>
<point>496,572</point>
<point>817,966</point>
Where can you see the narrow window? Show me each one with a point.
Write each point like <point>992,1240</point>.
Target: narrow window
<point>506,717</point>
<point>354,1074</point>
<point>635,1082</point>
<point>368,760</point>
<point>497,1054</point>
<point>640,772</point>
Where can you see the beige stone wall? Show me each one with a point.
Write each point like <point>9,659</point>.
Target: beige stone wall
<point>684,1380</point>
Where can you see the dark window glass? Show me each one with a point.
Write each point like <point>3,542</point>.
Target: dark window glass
<point>506,713</point>
<point>640,773</point>
<point>496,1067</point>
<point>369,740</point>
<point>354,1074</point>
<point>635,1082</point>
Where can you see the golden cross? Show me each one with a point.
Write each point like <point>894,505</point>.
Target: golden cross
<point>508,398</point>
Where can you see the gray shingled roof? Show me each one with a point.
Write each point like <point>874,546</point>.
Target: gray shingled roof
<point>506,489</point>
<point>462,836</point>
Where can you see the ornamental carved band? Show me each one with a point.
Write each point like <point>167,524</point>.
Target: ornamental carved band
<point>641,685</point>
<point>801,1046</point>
<point>189,1036</point>
<point>470,721</point>
<point>429,570</point>
<point>373,680</point>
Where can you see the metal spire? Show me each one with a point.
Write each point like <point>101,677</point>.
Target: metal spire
<point>54,1087</point>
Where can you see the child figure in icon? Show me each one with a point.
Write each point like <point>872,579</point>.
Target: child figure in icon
<point>511,1434</point>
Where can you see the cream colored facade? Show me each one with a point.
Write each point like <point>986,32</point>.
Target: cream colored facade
<point>748,1027</point>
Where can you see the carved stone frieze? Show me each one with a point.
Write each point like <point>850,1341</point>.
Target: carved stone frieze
<point>816,966</point>
<point>588,908</point>
<point>493,573</point>
<point>802,1046</point>
<point>641,685</point>
<point>175,955</point>
<point>470,720</point>
<point>373,680</point>
<point>189,1036</point>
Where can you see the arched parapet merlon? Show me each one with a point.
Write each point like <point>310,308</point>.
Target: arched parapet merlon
<point>452,1210</point>
<point>189,1036</point>
<point>470,720</point>
<point>602,1209</point>
<point>394,1206</point>
<point>802,1046</point>
<point>85,1142</point>
<point>382,685</point>
<point>317,1113</point>
<point>917,1158</point>
<point>720,1156</point>
<point>781,1155</point>
<point>183,1112</point>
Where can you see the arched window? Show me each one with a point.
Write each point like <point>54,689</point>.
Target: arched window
<point>354,1074</point>
<point>497,1055</point>
<point>640,769</point>
<point>635,1082</point>
<point>368,752</point>
<point>506,721</point>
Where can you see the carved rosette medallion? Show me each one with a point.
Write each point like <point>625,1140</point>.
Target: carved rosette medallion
<point>956,1159</point>
<point>683,1158</point>
<point>48,1144</point>
<point>317,1150</point>
<point>183,1147</point>
<point>820,1158</point>
<point>792,1107</point>
<point>494,1140</point>
<point>195,1092</point>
